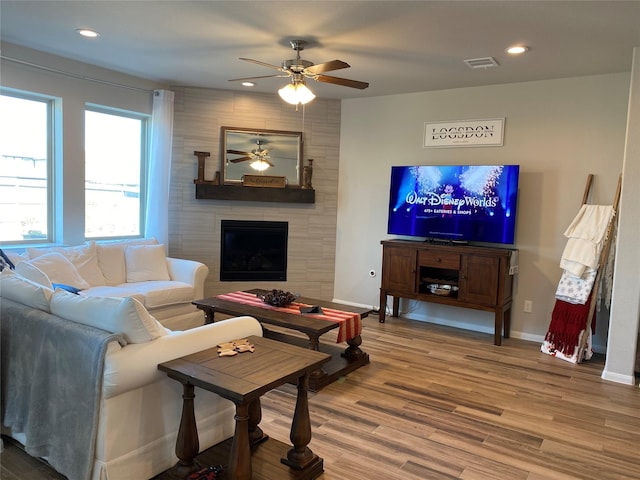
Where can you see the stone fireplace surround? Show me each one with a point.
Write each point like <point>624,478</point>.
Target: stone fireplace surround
<point>195,223</point>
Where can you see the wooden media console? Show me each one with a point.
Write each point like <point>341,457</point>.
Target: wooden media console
<point>467,276</point>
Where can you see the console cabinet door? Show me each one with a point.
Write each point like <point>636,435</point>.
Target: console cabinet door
<point>399,269</point>
<point>479,280</point>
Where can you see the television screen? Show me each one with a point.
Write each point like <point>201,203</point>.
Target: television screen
<point>465,203</point>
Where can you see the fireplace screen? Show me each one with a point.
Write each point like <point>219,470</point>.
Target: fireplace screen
<point>253,251</point>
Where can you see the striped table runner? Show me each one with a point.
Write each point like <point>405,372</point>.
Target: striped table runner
<point>350,323</point>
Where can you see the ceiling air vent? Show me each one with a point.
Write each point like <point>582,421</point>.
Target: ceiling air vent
<point>484,62</point>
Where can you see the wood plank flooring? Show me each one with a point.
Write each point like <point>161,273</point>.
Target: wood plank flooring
<point>438,403</point>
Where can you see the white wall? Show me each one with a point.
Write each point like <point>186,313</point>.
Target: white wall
<point>558,131</point>
<point>625,311</point>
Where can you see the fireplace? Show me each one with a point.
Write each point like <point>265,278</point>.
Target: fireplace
<point>253,251</point>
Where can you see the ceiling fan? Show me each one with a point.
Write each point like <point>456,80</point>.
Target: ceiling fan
<point>259,156</point>
<point>299,69</point>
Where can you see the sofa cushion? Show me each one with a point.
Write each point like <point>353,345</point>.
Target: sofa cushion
<point>57,269</point>
<point>111,258</point>
<point>117,315</point>
<point>34,274</point>
<point>111,262</point>
<point>83,257</point>
<point>146,262</point>
<point>161,293</point>
<point>115,291</point>
<point>22,290</point>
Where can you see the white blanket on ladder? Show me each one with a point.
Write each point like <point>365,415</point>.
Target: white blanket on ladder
<point>586,235</point>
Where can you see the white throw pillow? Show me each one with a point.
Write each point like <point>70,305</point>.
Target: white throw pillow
<point>146,262</point>
<point>56,267</point>
<point>111,258</point>
<point>33,274</point>
<point>19,289</point>
<point>115,315</point>
<point>111,262</point>
<point>83,257</point>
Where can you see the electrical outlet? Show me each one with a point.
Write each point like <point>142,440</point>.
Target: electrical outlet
<point>528,306</point>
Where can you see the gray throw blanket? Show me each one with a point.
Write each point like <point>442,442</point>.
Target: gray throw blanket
<point>51,385</point>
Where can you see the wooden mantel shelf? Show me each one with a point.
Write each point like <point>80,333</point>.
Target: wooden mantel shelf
<point>208,191</point>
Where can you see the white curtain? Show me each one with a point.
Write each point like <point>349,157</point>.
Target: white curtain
<point>159,171</point>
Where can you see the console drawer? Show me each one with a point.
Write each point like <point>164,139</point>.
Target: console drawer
<point>436,259</point>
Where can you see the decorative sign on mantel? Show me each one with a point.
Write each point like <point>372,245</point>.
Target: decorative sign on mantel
<point>464,133</point>
<point>264,181</point>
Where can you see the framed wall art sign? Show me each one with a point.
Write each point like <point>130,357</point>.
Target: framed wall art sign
<point>464,133</point>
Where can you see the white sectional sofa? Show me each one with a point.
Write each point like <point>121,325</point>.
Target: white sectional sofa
<point>60,350</point>
<point>131,268</point>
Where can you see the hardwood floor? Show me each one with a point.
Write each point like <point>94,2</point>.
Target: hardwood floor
<point>438,403</point>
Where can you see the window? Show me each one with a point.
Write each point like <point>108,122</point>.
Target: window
<point>26,132</point>
<point>115,161</point>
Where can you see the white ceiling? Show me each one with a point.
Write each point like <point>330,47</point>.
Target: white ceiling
<point>396,46</point>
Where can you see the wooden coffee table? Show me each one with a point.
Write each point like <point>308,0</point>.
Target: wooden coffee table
<point>342,360</point>
<point>243,379</point>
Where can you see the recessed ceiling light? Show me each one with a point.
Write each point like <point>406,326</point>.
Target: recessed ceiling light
<point>248,84</point>
<point>85,32</point>
<point>517,49</point>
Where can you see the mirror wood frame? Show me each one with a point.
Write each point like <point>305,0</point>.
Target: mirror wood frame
<point>285,153</point>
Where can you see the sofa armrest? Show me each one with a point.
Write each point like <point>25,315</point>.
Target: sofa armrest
<point>136,365</point>
<point>189,271</point>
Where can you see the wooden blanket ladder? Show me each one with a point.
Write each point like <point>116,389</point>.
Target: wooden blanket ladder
<point>602,261</point>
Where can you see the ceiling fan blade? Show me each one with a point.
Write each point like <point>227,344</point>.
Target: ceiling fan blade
<point>268,65</point>
<point>327,66</point>
<point>241,159</point>
<point>345,82</point>
<point>237,152</point>
<point>254,78</point>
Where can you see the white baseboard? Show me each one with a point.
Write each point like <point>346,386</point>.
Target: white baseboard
<point>618,377</point>
<point>354,304</point>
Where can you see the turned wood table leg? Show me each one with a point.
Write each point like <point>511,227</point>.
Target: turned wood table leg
<point>240,456</point>
<point>314,344</point>
<point>209,314</point>
<point>353,352</point>
<point>187,443</point>
<point>300,456</point>
<point>256,435</point>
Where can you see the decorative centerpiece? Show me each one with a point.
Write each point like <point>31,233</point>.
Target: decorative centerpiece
<point>277,298</point>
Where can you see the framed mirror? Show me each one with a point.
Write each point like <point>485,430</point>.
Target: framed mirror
<point>261,152</point>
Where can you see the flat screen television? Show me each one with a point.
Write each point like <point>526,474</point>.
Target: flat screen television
<point>460,203</point>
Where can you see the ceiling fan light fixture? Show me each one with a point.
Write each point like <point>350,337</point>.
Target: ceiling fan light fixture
<point>259,165</point>
<point>296,93</point>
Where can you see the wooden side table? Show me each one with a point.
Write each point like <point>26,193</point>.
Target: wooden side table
<point>243,379</point>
